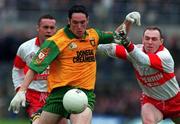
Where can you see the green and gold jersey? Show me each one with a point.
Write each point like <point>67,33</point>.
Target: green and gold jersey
<point>72,61</point>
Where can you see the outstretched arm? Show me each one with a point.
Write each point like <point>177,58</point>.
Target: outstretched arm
<point>120,34</point>
<point>27,80</point>
<point>114,50</point>
<point>125,26</point>
<point>132,17</point>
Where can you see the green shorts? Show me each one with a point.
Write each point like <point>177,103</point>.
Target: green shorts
<point>54,102</point>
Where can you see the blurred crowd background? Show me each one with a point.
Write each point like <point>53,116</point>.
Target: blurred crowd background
<point>116,87</point>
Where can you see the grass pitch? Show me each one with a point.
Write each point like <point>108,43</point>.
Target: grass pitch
<point>14,121</point>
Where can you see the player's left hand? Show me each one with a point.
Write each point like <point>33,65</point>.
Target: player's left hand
<point>121,38</point>
<point>18,101</point>
<point>134,17</point>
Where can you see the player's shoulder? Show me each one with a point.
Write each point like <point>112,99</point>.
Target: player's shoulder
<point>140,46</point>
<point>91,29</point>
<point>60,31</point>
<point>94,31</point>
<point>164,52</point>
<point>165,49</point>
<point>60,34</point>
<point>28,43</point>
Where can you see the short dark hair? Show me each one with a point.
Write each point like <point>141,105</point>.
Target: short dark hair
<point>77,9</point>
<point>154,28</point>
<point>47,16</point>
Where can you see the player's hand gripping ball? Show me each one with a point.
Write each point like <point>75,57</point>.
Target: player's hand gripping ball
<point>75,101</point>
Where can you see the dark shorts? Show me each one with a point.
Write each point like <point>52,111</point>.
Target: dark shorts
<point>54,102</point>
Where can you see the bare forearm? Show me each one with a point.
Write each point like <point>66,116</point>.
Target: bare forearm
<point>27,80</point>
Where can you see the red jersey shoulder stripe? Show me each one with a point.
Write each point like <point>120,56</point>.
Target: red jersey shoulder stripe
<point>155,62</point>
<point>121,52</point>
<point>18,62</point>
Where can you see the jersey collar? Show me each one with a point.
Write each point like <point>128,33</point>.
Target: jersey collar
<point>71,35</point>
<point>37,42</point>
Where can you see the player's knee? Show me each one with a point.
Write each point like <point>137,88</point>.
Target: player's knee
<point>148,119</point>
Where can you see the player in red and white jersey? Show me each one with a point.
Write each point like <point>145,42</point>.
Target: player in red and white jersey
<point>37,92</point>
<point>154,69</point>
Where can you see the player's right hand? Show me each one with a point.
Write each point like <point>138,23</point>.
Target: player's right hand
<point>18,101</point>
<point>121,38</point>
<point>134,17</point>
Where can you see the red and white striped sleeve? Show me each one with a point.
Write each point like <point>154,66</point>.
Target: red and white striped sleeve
<point>161,60</point>
<point>18,68</point>
<point>113,50</point>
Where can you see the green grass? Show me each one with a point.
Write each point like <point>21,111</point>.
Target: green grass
<point>13,121</point>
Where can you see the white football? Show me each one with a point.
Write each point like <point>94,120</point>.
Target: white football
<point>75,101</point>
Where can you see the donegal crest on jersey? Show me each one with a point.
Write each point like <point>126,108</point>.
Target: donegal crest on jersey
<point>72,46</point>
<point>42,55</point>
<point>92,41</point>
<point>45,55</point>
